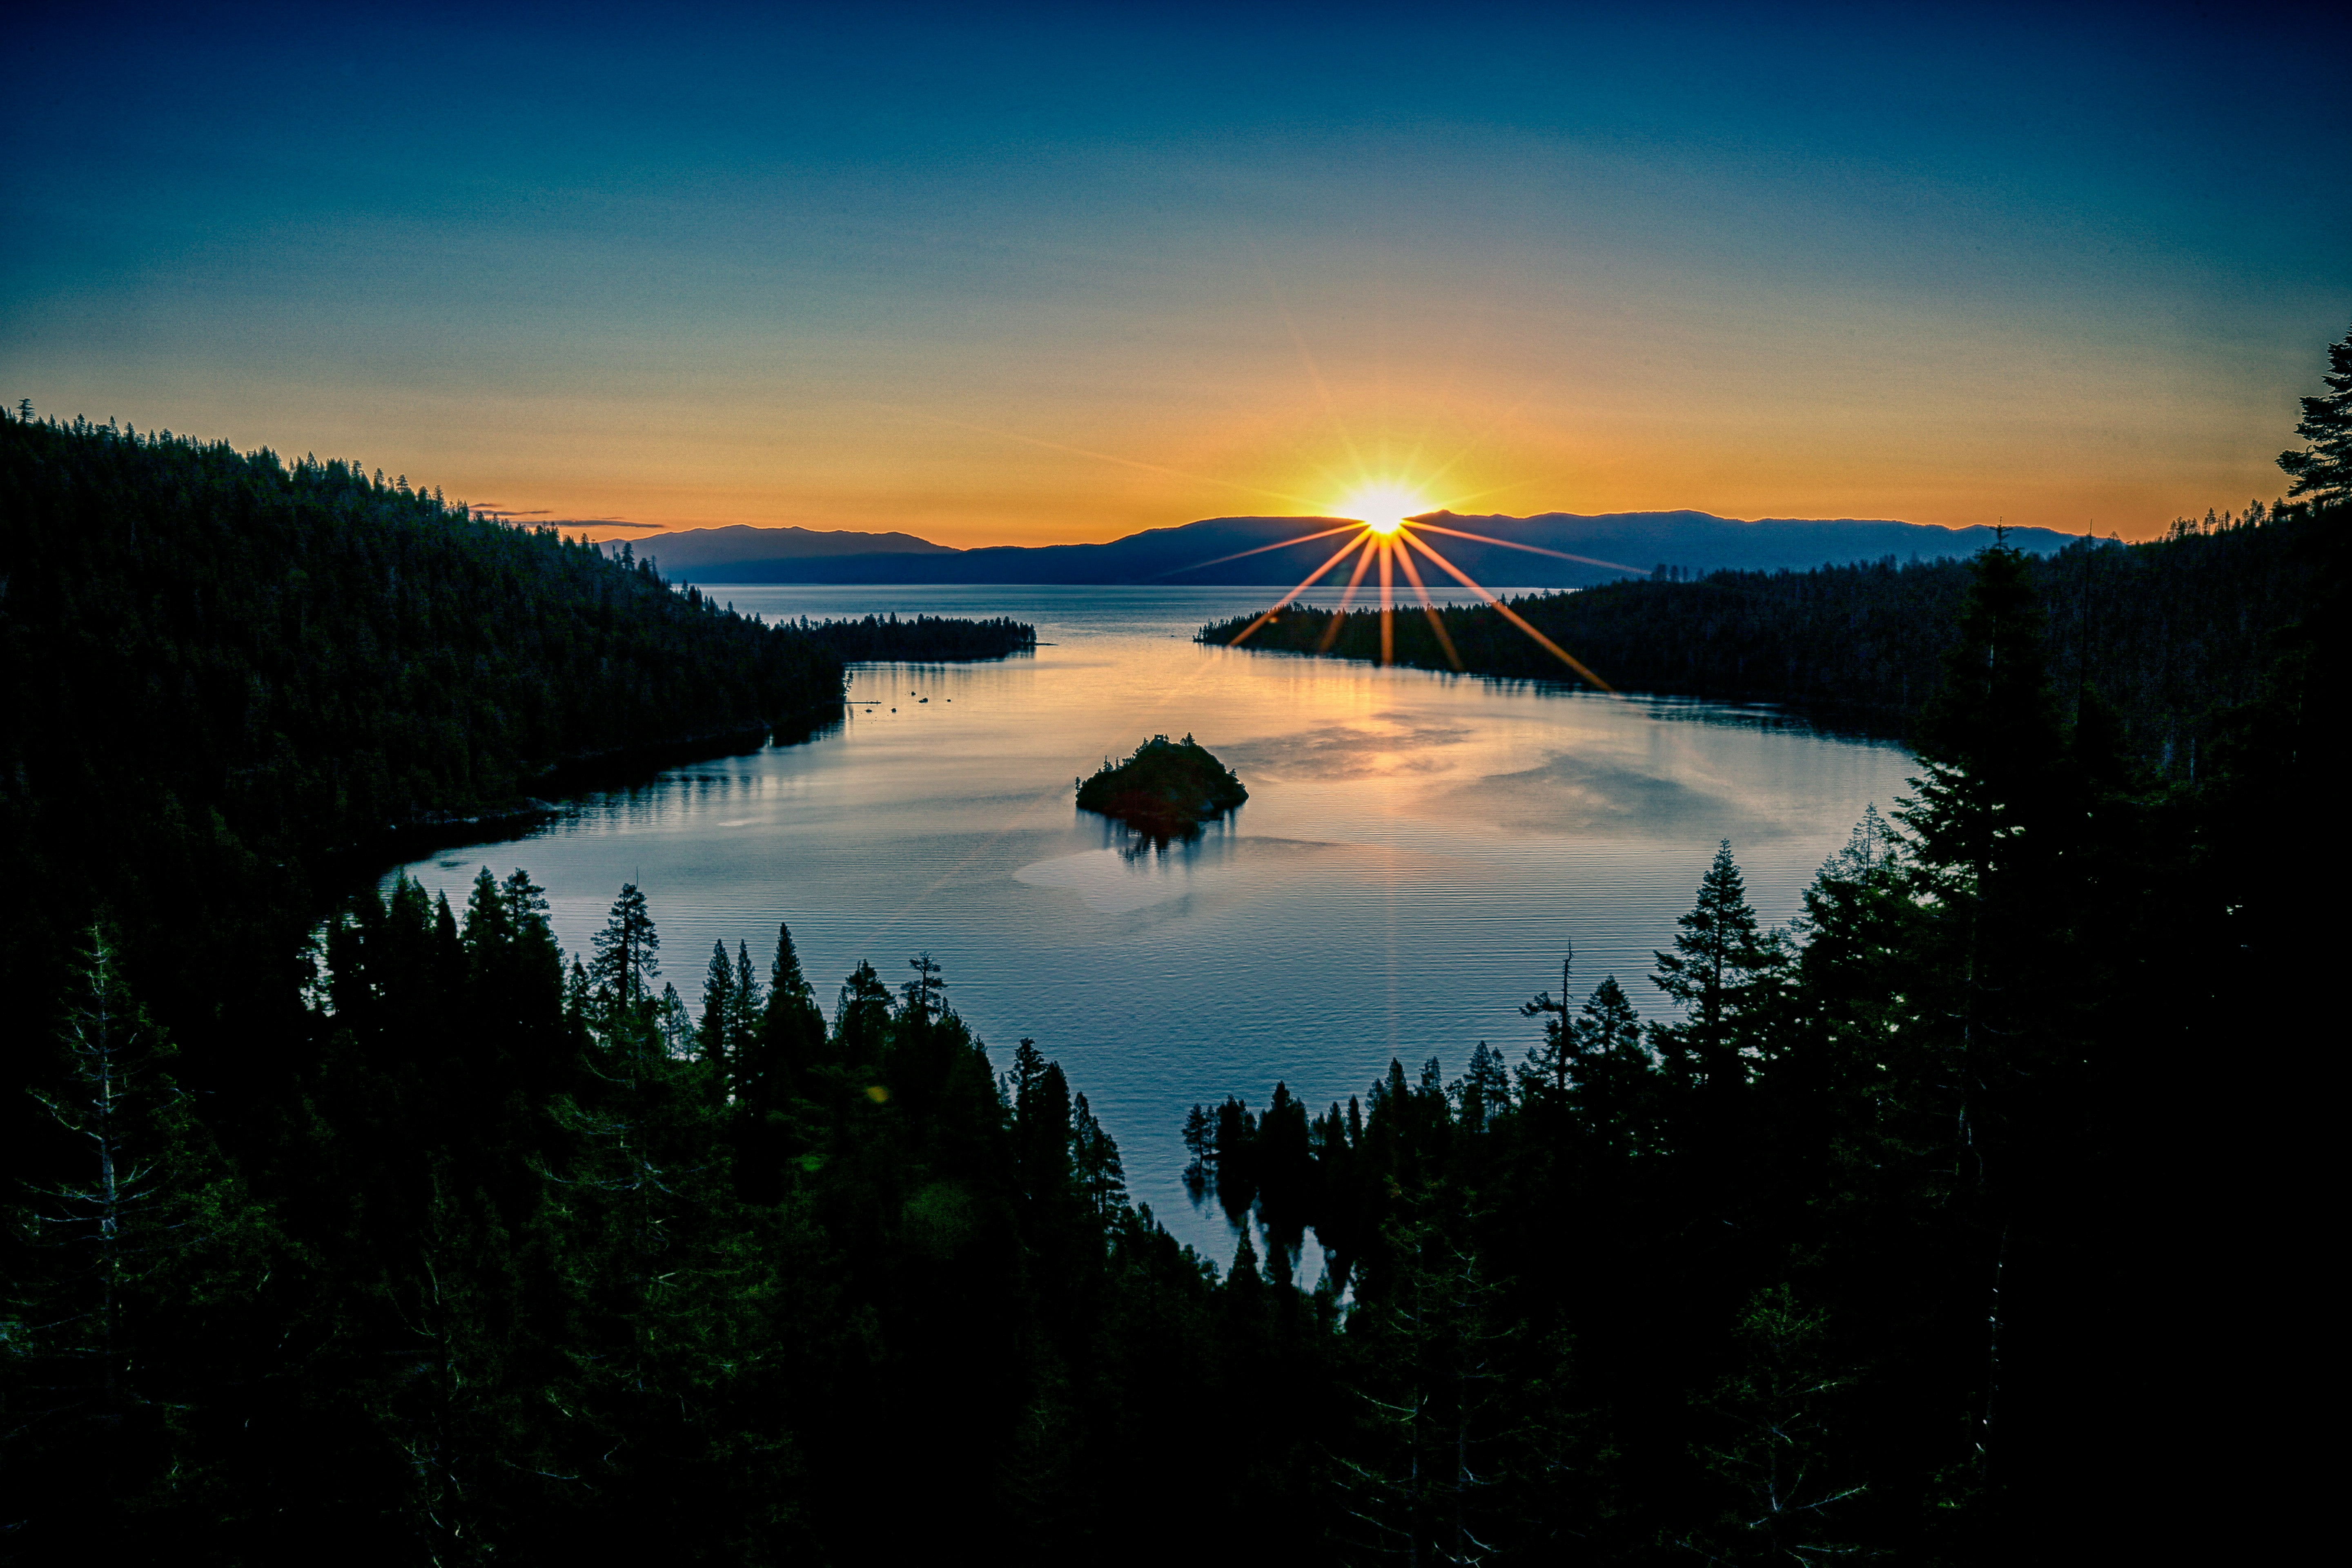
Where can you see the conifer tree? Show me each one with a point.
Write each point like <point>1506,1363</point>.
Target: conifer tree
<point>1201,1149</point>
<point>2323,470</point>
<point>1443,1446</point>
<point>1284,1166</point>
<point>1485,1089</point>
<point>1094,1160</point>
<point>861,1020</point>
<point>1711,972</point>
<point>1607,1024</point>
<point>926,993</point>
<point>489,930</point>
<point>781,1047</point>
<point>1550,1067</point>
<point>714,1034</point>
<point>751,1001</point>
<point>1042,1124</point>
<point>792,1031</point>
<point>1613,1067</point>
<point>1236,1158</point>
<point>625,963</point>
<point>1990,741</point>
<point>1771,1446</point>
<point>136,1247</point>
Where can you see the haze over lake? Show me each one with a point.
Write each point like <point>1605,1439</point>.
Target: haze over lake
<point>1417,851</point>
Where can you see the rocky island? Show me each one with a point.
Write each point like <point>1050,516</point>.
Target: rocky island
<point>1167,787</point>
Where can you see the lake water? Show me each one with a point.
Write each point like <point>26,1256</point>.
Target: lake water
<point>1417,851</point>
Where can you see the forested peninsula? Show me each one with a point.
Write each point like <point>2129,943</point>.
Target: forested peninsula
<point>1957,1222</point>
<point>2170,634</point>
<point>920,637</point>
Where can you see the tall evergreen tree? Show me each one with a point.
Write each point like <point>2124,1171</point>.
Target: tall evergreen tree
<point>1095,1162</point>
<point>1201,1151</point>
<point>2323,470</point>
<point>750,1010</point>
<point>1041,1124</point>
<point>1713,972</point>
<point>142,1246</point>
<point>792,1032</point>
<point>862,1018</point>
<point>626,964</point>
<point>714,1035</point>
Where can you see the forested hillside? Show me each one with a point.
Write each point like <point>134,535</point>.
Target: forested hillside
<point>311,651</point>
<point>2169,633</point>
<point>218,668</point>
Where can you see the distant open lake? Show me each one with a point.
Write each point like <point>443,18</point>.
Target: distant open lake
<point>1417,851</point>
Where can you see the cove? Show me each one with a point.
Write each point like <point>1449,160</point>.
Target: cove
<point>1415,851</point>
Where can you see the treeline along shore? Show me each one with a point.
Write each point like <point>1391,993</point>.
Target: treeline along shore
<point>1955,1223</point>
<point>2172,633</point>
<point>921,637</point>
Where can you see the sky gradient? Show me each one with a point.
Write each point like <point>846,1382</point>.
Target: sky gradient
<point>1043,276</point>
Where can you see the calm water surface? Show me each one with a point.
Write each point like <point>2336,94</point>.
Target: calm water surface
<point>1417,851</point>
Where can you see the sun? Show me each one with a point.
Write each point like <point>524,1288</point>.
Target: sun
<point>1381,506</point>
<point>1383,522</point>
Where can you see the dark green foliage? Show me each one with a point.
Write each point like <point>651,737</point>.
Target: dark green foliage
<point>1166,787</point>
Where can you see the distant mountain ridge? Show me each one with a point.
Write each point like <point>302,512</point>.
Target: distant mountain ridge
<point>1616,545</point>
<point>693,549</point>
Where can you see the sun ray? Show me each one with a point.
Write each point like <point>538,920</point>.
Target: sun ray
<point>1442,395</point>
<point>1087,452</point>
<point>1511,615</point>
<point>1531,548</point>
<point>1388,601</point>
<point>1356,544</point>
<point>1220,561</point>
<point>1355,580</point>
<point>1428,608</point>
<point>1492,426</point>
<point>1314,371</point>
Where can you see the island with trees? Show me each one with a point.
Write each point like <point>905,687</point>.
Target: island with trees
<point>1165,787</point>
<point>918,639</point>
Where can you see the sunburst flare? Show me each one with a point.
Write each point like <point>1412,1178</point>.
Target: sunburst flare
<point>1387,531</point>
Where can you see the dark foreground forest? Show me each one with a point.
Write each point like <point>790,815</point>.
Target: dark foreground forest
<point>1963,1222</point>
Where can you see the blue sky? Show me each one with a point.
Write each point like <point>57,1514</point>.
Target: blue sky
<point>1046,274</point>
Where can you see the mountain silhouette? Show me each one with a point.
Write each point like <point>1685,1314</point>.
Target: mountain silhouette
<point>1616,546</point>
